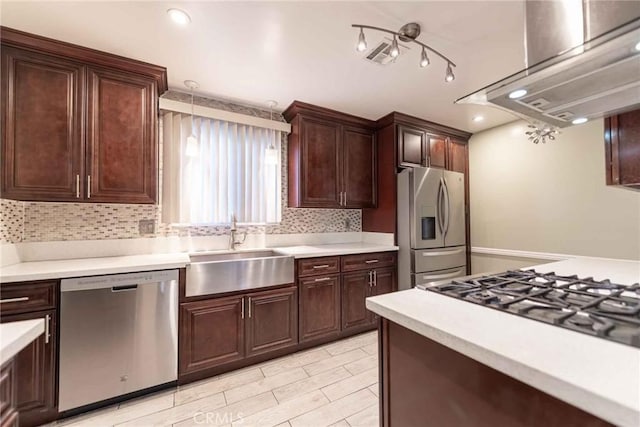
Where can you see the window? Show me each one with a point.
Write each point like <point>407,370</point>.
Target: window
<point>225,173</point>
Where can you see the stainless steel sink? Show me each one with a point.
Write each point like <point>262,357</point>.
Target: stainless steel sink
<point>227,272</point>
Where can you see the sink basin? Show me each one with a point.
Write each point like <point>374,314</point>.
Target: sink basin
<point>210,274</point>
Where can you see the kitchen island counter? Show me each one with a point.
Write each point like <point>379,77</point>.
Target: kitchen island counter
<point>598,376</point>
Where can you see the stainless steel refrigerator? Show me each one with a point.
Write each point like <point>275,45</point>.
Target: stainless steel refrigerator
<point>431,226</point>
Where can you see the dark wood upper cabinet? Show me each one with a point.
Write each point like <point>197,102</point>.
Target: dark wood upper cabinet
<point>457,156</point>
<point>622,149</point>
<point>273,320</point>
<point>121,129</point>
<point>411,147</point>
<point>78,124</point>
<point>359,166</point>
<point>41,122</point>
<point>211,333</point>
<point>331,158</point>
<point>319,166</point>
<point>437,151</point>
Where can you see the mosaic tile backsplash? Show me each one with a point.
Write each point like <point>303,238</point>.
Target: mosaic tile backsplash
<point>39,221</point>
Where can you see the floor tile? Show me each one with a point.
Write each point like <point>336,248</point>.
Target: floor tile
<point>266,384</point>
<point>234,412</point>
<point>306,385</point>
<point>285,411</point>
<point>345,345</point>
<point>375,389</point>
<point>336,411</point>
<point>341,423</point>
<point>295,361</point>
<point>179,413</point>
<point>285,424</point>
<point>352,384</point>
<point>366,418</point>
<point>371,349</point>
<point>217,384</point>
<point>113,415</point>
<point>335,361</point>
<point>362,365</point>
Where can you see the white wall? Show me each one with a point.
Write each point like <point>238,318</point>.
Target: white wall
<point>549,197</point>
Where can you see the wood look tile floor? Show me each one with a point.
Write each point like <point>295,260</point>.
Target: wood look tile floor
<point>332,385</point>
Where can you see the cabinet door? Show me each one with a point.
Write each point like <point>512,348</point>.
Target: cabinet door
<point>41,122</point>
<point>320,163</point>
<point>437,147</point>
<point>319,307</point>
<point>211,333</point>
<point>35,372</point>
<point>457,156</point>
<point>272,320</point>
<point>622,148</point>
<point>359,176</point>
<point>356,287</point>
<point>384,282</point>
<point>411,147</point>
<point>121,142</point>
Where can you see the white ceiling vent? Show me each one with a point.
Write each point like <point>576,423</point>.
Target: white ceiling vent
<point>380,53</point>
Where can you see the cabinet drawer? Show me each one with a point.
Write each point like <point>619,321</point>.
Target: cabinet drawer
<point>368,261</point>
<point>28,296</point>
<point>7,392</point>
<point>316,266</point>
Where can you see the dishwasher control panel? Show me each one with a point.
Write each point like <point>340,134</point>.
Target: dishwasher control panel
<point>112,280</point>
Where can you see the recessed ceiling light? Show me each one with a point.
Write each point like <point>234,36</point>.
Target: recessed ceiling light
<point>517,93</point>
<point>477,118</point>
<point>179,16</point>
<point>579,120</point>
<point>638,46</point>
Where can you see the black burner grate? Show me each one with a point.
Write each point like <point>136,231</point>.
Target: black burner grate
<point>598,308</point>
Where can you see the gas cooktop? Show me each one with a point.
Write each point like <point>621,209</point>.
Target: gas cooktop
<point>598,308</point>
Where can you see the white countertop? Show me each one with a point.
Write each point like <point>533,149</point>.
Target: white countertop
<point>14,336</point>
<point>332,250</point>
<point>599,376</point>
<point>60,269</point>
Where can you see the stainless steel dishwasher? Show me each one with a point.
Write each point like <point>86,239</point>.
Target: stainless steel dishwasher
<point>118,334</point>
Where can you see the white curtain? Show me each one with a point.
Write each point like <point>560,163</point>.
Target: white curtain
<point>227,176</point>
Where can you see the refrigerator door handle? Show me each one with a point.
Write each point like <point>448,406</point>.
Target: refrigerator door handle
<point>447,207</point>
<point>440,208</point>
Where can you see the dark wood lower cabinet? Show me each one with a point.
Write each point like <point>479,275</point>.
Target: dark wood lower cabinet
<point>35,373</point>
<point>220,331</point>
<point>211,333</point>
<point>319,307</point>
<point>8,404</point>
<point>356,287</point>
<point>424,383</point>
<point>273,320</point>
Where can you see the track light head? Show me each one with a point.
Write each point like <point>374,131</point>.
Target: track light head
<point>362,42</point>
<point>395,49</point>
<point>424,59</point>
<point>449,77</point>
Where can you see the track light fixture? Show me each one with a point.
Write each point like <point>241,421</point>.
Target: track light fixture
<point>407,33</point>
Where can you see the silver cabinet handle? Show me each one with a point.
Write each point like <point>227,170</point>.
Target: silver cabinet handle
<point>2,301</point>
<point>77,186</point>
<point>47,335</point>
<point>316,267</point>
<point>242,312</point>
<point>345,199</point>
<point>88,186</point>
<point>370,278</point>
<point>371,261</point>
<point>249,307</point>
<point>322,279</point>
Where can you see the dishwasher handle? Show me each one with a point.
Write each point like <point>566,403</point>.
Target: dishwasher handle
<point>117,282</point>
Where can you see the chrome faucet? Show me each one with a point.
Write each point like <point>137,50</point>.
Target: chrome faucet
<point>232,236</point>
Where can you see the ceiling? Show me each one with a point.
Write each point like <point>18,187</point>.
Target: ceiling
<point>255,51</point>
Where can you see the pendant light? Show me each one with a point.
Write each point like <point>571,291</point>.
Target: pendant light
<point>424,59</point>
<point>192,141</point>
<point>395,49</point>
<point>271,154</point>
<point>362,43</point>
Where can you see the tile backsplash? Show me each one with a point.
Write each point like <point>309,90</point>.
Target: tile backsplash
<point>49,221</point>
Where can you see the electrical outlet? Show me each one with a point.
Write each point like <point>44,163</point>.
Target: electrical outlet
<point>146,226</point>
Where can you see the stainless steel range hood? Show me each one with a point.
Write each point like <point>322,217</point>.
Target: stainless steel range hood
<point>583,59</point>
